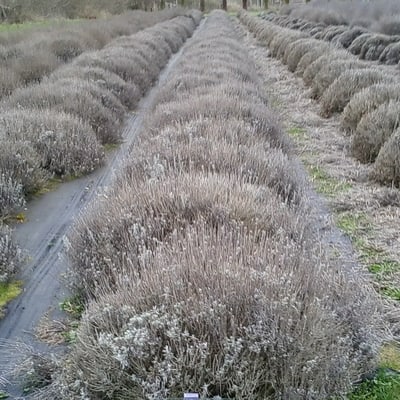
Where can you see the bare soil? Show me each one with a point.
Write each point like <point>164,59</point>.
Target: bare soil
<point>368,213</point>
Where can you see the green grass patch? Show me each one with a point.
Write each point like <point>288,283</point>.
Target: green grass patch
<point>4,395</point>
<point>384,267</point>
<point>356,225</point>
<point>384,387</point>
<point>392,292</point>
<point>8,292</point>
<point>49,186</point>
<point>70,334</point>
<point>297,133</point>
<point>15,218</point>
<point>390,356</point>
<point>110,147</point>
<point>325,184</point>
<point>73,306</point>
<point>52,184</point>
<point>359,227</point>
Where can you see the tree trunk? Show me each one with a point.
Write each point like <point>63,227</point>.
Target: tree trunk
<point>244,2</point>
<point>266,4</point>
<point>202,5</point>
<point>225,5</point>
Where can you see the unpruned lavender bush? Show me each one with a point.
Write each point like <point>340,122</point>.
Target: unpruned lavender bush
<point>374,129</point>
<point>341,91</point>
<point>21,163</point>
<point>70,99</point>
<point>64,145</point>
<point>347,37</point>
<point>358,43</point>
<point>391,54</point>
<point>127,92</point>
<point>357,39</point>
<point>331,71</point>
<point>102,254</point>
<point>297,50</point>
<point>41,63</point>
<point>386,168</point>
<point>11,195</point>
<point>136,59</point>
<point>10,254</point>
<point>310,56</point>
<point>225,312</point>
<point>192,145</point>
<point>366,101</point>
<point>326,58</point>
<point>331,32</point>
<point>375,46</point>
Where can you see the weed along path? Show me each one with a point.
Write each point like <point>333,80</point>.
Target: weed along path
<point>48,219</point>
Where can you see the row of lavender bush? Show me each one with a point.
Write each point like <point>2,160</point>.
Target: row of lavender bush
<point>201,269</point>
<point>366,95</point>
<point>58,127</point>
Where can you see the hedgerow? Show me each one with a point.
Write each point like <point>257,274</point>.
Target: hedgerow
<point>201,269</point>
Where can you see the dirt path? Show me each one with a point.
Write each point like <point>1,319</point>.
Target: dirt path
<point>367,213</point>
<point>47,221</point>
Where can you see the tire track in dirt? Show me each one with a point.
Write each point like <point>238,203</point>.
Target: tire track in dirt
<point>48,219</point>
